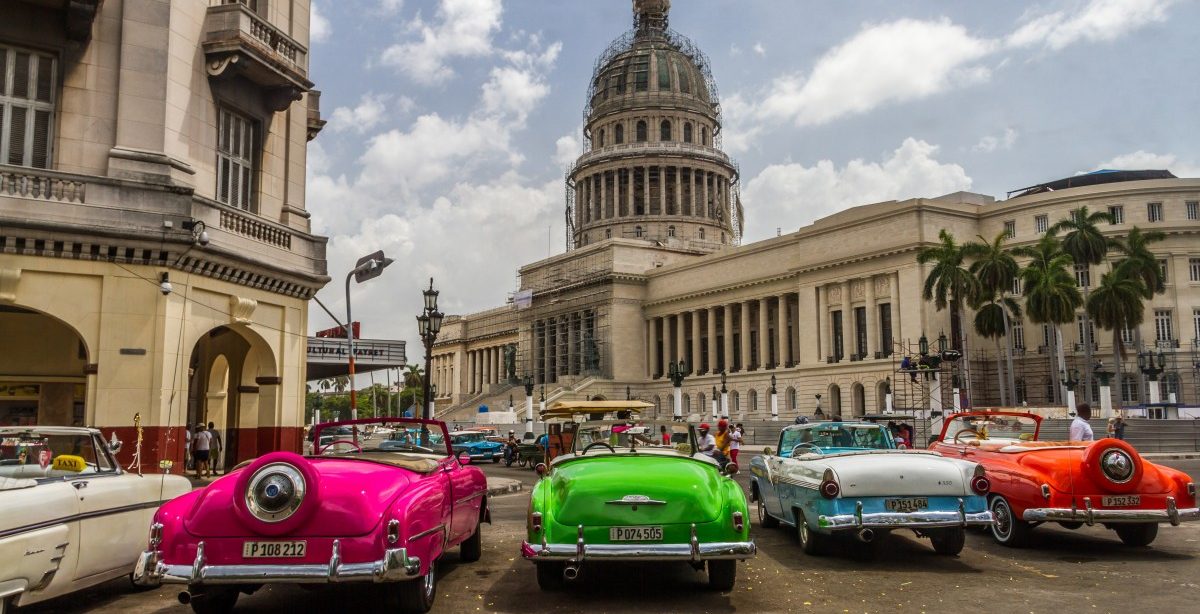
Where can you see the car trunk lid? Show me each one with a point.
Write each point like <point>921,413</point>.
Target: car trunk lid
<point>636,490</point>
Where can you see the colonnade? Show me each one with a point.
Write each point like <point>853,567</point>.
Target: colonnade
<point>484,366</point>
<point>443,375</point>
<point>652,190</point>
<point>854,323</point>
<point>565,344</point>
<point>748,335</point>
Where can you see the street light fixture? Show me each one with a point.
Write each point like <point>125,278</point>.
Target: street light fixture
<point>367,267</point>
<point>429,324</point>
<point>923,346</point>
<point>677,370</point>
<point>1152,368</point>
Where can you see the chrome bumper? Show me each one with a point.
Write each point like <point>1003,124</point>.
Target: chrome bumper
<point>928,519</point>
<point>395,566</point>
<point>693,551</point>
<point>1090,516</point>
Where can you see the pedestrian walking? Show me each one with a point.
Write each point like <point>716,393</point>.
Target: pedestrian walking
<point>1118,428</point>
<point>1080,429</point>
<point>666,437</point>
<point>201,444</point>
<point>735,441</point>
<point>216,445</point>
<point>187,448</point>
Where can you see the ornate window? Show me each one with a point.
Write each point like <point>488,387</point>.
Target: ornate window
<point>664,130</point>
<point>641,73</point>
<point>641,131</point>
<point>619,134</point>
<point>670,231</point>
<point>637,231</point>
<point>687,132</point>
<point>700,234</point>
<point>27,92</point>
<point>237,146</point>
<point>601,139</point>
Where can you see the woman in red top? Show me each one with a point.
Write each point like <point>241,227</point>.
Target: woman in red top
<point>666,437</point>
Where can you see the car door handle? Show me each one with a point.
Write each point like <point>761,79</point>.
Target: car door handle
<point>79,485</point>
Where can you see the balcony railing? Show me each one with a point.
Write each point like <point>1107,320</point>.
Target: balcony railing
<point>248,226</point>
<point>237,36</point>
<point>39,184</point>
<point>654,149</point>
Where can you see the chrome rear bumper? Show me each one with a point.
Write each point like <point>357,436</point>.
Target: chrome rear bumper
<point>693,551</point>
<point>395,566</point>
<point>1090,515</point>
<point>928,519</point>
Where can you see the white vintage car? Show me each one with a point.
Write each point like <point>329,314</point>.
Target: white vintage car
<point>69,516</point>
<point>848,478</point>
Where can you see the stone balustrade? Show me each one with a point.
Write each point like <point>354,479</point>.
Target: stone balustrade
<point>40,184</point>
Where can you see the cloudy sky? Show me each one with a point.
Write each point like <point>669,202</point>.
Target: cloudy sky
<point>450,121</point>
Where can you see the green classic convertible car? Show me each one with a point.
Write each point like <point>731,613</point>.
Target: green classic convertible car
<point>632,502</point>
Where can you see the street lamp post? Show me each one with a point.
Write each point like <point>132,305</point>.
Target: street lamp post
<point>528,406</point>
<point>715,401</point>
<point>1070,379</point>
<point>1151,369</point>
<point>1106,406</point>
<point>430,402</point>
<point>818,413</point>
<point>367,267</point>
<point>887,395</point>
<point>429,324</point>
<point>724,397</point>
<point>677,371</point>
<point>774,401</point>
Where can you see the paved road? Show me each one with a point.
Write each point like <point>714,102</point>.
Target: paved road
<point>1083,570</point>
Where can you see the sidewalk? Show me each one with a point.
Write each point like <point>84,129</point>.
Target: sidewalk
<point>1155,456</point>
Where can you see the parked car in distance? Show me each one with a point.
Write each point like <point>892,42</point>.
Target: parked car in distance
<point>1073,483</point>
<point>477,445</point>
<point>356,512</point>
<point>601,503</point>
<point>70,517</point>
<point>848,479</point>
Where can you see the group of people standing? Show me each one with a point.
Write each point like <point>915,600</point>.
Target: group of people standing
<point>724,445</point>
<point>203,448</point>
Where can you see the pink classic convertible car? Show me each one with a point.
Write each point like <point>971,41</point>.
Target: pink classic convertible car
<point>378,501</point>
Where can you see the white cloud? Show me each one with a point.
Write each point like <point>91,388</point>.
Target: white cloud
<point>1098,21</point>
<point>566,149</point>
<point>734,50</point>
<point>318,26</point>
<point>370,111</point>
<point>391,6</point>
<point>792,195</point>
<point>760,50</point>
<point>898,61</point>
<point>991,143</point>
<point>464,29</point>
<point>1145,160</point>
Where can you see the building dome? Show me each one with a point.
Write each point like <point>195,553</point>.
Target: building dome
<point>652,167</point>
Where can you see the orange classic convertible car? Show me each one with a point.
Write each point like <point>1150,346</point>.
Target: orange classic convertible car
<point>1072,483</point>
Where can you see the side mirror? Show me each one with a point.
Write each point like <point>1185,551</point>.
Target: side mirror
<point>114,444</point>
<point>464,458</point>
<point>731,468</point>
<point>541,469</point>
<point>767,451</point>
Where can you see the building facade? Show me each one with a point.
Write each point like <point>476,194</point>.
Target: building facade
<point>156,258</point>
<point>654,280</point>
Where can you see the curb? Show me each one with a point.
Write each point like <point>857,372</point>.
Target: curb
<point>1171,455</point>
<point>502,486</point>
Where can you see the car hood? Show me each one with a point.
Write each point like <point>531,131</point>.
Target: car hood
<point>893,473</point>
<point>350,499</point>
<point>688,489</point>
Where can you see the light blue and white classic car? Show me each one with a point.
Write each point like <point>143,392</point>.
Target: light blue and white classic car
<point>848,479</point>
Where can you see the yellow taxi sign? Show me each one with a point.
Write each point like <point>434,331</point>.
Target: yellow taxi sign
<point>69,462</point>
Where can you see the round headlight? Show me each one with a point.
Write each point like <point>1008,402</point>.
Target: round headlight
<point>275,492</point>
<point>1116,465</point>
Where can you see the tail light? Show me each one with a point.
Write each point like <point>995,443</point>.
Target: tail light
<point>393,531</point>
<point>829,486</point>
<point>1191,489</point>
<point>155,535</point>
<point>535,522</point>
<point>738,522</point>
<point>981,485</point>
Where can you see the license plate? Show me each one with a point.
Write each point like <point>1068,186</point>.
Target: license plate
<point>1122,500</point>
<point>905,506</point>
<point>260,550</point>
<point>635,534</point>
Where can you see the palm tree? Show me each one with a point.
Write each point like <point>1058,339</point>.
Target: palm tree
<point>412,376</point>
<point>950,284</point>
<point>340,383</point>
<point>995,268</point>
<point>1117,304</point>
<point>1051,296</point>
<point>1137,254</point>
<point>1087,246</point>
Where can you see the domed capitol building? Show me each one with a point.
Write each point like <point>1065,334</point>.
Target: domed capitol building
<point>656,279</point>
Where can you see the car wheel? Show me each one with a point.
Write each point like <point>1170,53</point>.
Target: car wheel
<point>765,520</point>
<point>550,576</point>
<point>810,541</point>
<point>214,600</point>
<point>721,575</point>
<point>521,462</point>
<point>1140,534</point>
<point>949,542</point>
<point>416,596</point>
<point>1008,530</point>
<point>470,551</point>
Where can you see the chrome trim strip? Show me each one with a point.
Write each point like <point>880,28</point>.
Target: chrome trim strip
<point>440,527</point>
<point>635,503</point>
<point>695,551</point>
<point>898,520</point>
<point>1171,514</point>
<point>469,497</point>
<point>84,516</point>
<point>395,566</point>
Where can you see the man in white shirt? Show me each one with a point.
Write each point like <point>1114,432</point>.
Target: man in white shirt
<point>201,443</point>
<point>1080,429</point>
<point>706,442</point>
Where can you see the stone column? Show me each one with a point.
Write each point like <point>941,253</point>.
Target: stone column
<point>745,333</point>
<point>680,337</point>
<point>764,333</point>
<point>534,354</point>
<point>727,363</point>
<point>847,320</point>
<point>783,354</point>
<point>704,196</point>
<point>565,344</point>
<point>872,318</point>
<point>668,344</point>
<point>646,189</point>
<point>678,190</point>
<point>573,348</point>
<point>826,348</point>
<point>651,348</point>
<point>604,195</point>
<point>695,364</point>
<point>629,191</point>
<point>712,340</point>
<point>662,189</point>
<point>894,298</point>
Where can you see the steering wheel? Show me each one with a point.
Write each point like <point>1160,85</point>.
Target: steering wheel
<point>598,443</point>
<point>959,435</point>
<point>804,444</point>
<point>346,442</point>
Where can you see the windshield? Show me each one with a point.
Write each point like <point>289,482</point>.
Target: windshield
<point>469,438</point>
<point>34,455</point>
<point>387,435</point>
<point>834,437</point>
<point>996,427</point>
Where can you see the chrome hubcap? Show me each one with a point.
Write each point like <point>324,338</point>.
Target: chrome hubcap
<point>1003,519</point>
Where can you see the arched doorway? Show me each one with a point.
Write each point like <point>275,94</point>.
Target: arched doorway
<point>233,384</point>
<point>599,397</point>
<point>858,400</point>
<point>48,385</point>
<point>791,400</point>
<point>753,402</point>
<point>881,392</point>
<point>835,401</point>
<point>657,406</point>
<point>687,405</point>
<point>735,403</point>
